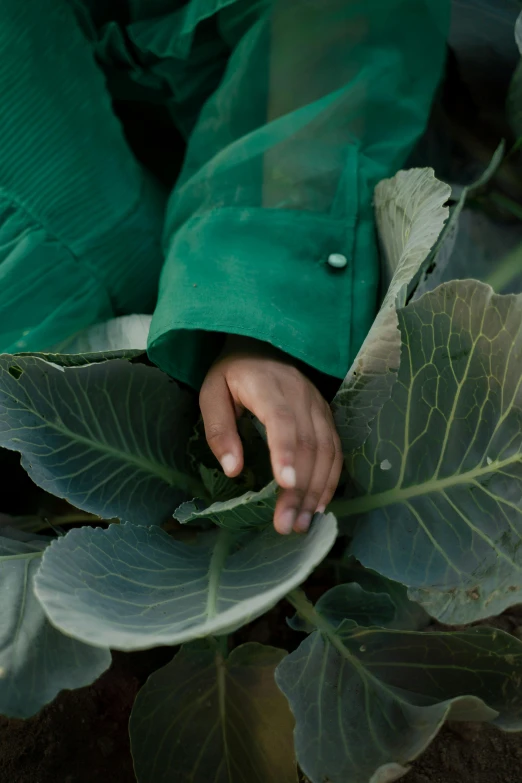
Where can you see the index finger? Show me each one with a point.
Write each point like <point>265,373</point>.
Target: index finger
<point>273,411</point>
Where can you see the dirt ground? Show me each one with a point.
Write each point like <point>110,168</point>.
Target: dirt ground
<point>82,737</point>
<point>470,754</point>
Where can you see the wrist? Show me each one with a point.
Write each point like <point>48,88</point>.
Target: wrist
<point>240,344</point>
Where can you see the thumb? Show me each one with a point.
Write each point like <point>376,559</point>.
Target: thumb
<point>219,418</point>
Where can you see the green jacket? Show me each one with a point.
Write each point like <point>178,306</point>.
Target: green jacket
<point>292,111</point>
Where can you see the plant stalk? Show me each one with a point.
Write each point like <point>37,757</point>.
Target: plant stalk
<point>507,270</point>
<point>308,612</point>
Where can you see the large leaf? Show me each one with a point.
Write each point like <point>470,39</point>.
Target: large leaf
<point>367,701</point>
<point>369,599</point>
<point>440,475</point>
<point>410,215</point>
<point>130,587</point>
<point>36,660</point>
<point>128,332</point>
<point>81,359</point>
<point>110,437</point>
<point>253,509</point>
<point>407,615</point>
<point>364,607</point>
<point>119,338</point>
<point>206,719</point>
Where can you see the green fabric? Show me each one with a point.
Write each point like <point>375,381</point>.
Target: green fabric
<point>292,111</point>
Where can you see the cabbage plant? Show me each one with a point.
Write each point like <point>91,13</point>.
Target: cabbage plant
<point>427,528</point>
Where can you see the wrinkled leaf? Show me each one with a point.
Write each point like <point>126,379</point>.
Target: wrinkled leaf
<point>440,475</point>
<point>257,470</point>
<point>119,338</point>
<point>350,600</point>
<point>370,599</point>
<point>367,701</point>
<point>81,359</point>
<point>217,484</point>
<point>36,660</point>
<point>131,587</point>
<point>410,215</point>
<point>253,509</point>
<point>126,333</point>
<point>203,719</point>
<point>110,437</point>
<point>407,616</point>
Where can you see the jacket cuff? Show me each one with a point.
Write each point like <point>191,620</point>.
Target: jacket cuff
<point>261,273</point>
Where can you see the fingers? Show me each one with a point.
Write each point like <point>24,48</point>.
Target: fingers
<point>327,471</point>
<point>304,446</point>
<point>266,401</point>
<point>318,464</point>
<point>219,418</point>
<point>291,500</point>
<point>335,474</point>
<point>324,457</point>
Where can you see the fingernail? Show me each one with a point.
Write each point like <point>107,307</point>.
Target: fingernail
<point>286,521</point>
<point>288,477</point>
<point>320,509</point>
<point>229,463</point>
<point>303,521</point>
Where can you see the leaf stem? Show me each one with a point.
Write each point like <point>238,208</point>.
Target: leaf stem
<point>506,203</point>
<point>343,508</point>
<point>222,646</point>
<point>21,556</point>
<point>68,519</point>
<point>215,569</point>
<point>307,610</point>
<point>507,270</point>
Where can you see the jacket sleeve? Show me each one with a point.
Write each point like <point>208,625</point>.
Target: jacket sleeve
<point>80,221</point>
<point>269,232</point>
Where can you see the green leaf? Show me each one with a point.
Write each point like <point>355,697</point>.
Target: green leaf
<point>410,214</point>
<point>350,601</point>
<point>367,701</point>
<point>36,660</point>
<point>251,510</point>
<point>407,615</point>
<point>119,338</point>
<point>257,471</point>
<point>203,719</point>
<point>132,588</point>
<point>368,599</point>
<point>80,359</point>
<point>28,524</point>
<point>440,475</point>
<point>219,487</point>
<point>128,332</point>
<point>110,437</point>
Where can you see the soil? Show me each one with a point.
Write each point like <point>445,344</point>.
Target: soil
<point>470,753</point>
<point>82,737</point>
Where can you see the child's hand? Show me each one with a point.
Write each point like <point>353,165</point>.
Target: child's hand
<point>305,450</point>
